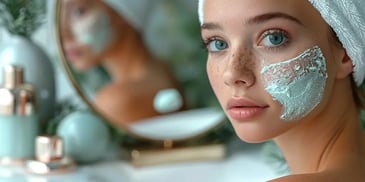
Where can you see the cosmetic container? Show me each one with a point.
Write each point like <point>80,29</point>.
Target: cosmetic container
<point>18,118</point>
<point>50,158</point>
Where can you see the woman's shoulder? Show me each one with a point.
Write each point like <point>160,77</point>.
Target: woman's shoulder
<point>116,95</point>
<point>125,95</point>
<point>325,176</point>
<point>315,177</point>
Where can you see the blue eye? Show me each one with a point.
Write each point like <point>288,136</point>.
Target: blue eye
<point>216,45</point>
<point>78,11</point>
<point>274,39</point>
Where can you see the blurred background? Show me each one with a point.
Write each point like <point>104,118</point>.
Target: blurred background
<point>174,40</point>
<point>173,34</point>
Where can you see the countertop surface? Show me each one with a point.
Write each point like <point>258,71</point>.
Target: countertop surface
<point>244,162</point>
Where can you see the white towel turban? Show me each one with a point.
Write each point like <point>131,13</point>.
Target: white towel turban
<point>136,12</point>
<point>347,19</point>
<point>160,23</point>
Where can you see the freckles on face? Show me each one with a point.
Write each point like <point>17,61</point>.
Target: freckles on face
<point>213,75</point>
<point>287,45</point>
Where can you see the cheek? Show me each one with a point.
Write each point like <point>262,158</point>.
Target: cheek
<point>94,30</point>
<point>297,84</point>
<point>86,62</point>
<point>215,79</point>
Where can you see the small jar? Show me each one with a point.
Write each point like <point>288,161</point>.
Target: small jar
<point>18,120</point>
<point>50,158</point>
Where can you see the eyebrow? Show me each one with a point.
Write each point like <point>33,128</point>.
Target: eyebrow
<point>256,20</point>
<point>269,16</point>
<point>211,26</point>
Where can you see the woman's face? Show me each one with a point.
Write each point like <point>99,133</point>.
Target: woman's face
<point>86,32</point>
<point>271,63</point>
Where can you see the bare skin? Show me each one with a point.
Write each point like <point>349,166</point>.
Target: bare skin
<point>136,74</point>
<point>326,145</point>
<point>135,85</point>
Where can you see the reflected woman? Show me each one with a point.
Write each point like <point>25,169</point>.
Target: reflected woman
<point>109,34</point>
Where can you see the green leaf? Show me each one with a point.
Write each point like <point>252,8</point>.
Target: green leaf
<point>22,17</point>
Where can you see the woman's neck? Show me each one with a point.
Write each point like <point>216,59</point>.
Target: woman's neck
<point>128,60</point>
<point>323,142</point>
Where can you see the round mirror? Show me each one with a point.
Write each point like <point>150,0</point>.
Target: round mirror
<point>139,65</point>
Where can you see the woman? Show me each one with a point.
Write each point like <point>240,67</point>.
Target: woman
<point>109,33</point>
<point>280,72</point>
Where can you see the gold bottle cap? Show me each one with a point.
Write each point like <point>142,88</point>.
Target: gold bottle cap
<point>13,76</point>
<point>49,148</point>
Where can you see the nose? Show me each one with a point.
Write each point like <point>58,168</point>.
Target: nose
<point>239,71</point>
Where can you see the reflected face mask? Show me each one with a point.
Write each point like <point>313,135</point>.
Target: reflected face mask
<point>95,30</point>
<point>298,84</point>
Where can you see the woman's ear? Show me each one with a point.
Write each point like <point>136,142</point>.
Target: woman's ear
<point>345,66</point>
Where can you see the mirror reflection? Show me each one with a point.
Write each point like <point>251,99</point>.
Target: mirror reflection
<point>126,71</point>
<point>96,38</point>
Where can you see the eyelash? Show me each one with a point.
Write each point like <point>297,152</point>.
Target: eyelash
<point>205,42</point>
<point>272,31</point>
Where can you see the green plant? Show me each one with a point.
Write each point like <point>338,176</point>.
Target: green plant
<point>22,17</point>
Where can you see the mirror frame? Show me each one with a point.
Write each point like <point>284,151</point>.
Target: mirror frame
<point>66,67</point>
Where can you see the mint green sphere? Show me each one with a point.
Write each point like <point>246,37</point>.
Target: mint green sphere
<point>86,136</point>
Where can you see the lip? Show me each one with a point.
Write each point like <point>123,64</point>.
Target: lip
<point>73,53</point>
<point>244,109</point>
